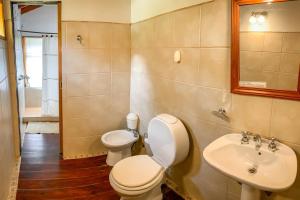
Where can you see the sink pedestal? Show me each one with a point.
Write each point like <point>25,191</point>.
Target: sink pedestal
<point>249,193</point>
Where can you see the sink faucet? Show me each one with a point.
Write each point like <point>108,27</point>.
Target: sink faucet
<point>258,141</point>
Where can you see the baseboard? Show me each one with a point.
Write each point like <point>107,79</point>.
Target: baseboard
<point>68,157</point>
<point>14,181</point>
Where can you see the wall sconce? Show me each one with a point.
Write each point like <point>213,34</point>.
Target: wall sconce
<point>258,17</point>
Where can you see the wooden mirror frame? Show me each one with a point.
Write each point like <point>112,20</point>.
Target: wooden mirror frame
<point>2,26</point>
<point>235,58</point>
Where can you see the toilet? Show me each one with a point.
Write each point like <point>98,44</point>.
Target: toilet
<point>140,177</point>
<point>119,142</point>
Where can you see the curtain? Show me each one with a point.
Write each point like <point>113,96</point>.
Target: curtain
<point>50,106</point>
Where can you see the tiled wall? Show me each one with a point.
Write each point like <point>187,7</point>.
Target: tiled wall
<point>96,83</point>
<point>7,154</point>
<point>197,86</point>
<point>271,57</point>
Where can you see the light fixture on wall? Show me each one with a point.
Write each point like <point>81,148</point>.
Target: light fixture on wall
<point>252,19</point>
<point>258,17</point>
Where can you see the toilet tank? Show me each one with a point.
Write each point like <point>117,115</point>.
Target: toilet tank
<point>168,140</point>
<point>132,120</point>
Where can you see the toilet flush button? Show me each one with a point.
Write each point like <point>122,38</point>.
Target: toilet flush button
<point>177,56</point>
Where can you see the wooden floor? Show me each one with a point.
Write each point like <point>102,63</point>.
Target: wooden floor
<point>44,175</point>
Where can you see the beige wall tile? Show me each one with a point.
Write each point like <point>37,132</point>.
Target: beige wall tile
<point>100,35</point>
<point>84,146</point>
<point>76,127</point>
<point>160,86</point>
<point>290,63</point>
<point>120,103</point>
<point>251,60</point>
<point>142,60</point>
<point>215,24</point>
<point>120,60</point>
<point>99,106</point>
<point>271,61</point>
<point>163,31</point>
<point>279,70</point>
<point>251,41</point>
<point>209,100</point>
<point>288,82</point>
<point>76,107</point>
<point>271,79</point>
<point>161,62</point>
<point>120,82</point>
<point>8,143</point>
<point>78,85</point>
<point>188,69</point>
<point>273,42</point>
<point>99,60</point>
<point>121,36</point>
<point>285,115</point>
<point>251,113</point>
<point>99,83</point>
<point>63,35</point>
<point>142,34</point>
<point>74,29</point>
<point>88,85</point>
<point>291,42</point>
<point>75,61</point>
<point>214,67</point>
<point>186,27</point>
<point>182,98</point>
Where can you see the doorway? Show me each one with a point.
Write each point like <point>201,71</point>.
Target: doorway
<point>37,48</point>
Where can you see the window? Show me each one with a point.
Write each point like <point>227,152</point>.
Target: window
<point>33,52</point>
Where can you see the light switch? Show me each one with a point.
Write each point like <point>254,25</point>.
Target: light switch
<point>177,56</point>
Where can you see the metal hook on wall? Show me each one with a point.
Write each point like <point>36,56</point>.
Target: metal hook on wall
<point>79,39</point>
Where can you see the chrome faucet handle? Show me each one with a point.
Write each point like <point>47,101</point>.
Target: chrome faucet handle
<point>256,137</point>
<point>245,137</point>
<point>272,145</point>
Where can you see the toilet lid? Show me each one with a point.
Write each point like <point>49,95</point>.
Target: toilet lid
<point>136,171</point>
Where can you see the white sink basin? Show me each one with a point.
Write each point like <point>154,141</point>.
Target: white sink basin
<point>273,171</point>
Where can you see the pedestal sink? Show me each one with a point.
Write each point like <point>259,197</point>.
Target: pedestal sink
<point>257,169</point>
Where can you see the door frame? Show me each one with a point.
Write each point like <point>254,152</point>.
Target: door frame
<point>59,37</point>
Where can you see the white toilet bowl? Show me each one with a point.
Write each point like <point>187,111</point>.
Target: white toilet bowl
<point>118,143</point>
<point>140,177</point>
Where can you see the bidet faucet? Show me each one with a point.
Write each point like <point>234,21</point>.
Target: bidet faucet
<point>258,141</point>
<point>245,137</point>
<point>134,131</point>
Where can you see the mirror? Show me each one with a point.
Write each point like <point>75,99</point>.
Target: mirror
<point>266,48</point>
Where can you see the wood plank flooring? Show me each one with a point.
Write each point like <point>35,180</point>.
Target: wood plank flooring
<point>45,176</point>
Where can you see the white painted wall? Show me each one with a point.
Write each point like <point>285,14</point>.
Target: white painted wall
<point>96,10</point>
<point>281,17</point>
<point>145,9</point>
<point>43,19</point>
<point>118,11</point>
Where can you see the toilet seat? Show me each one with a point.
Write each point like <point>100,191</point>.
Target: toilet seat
<point>136,173</point>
